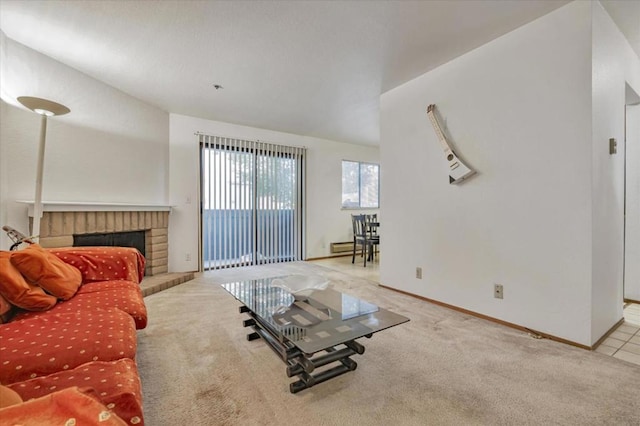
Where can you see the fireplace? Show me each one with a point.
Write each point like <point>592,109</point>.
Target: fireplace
<point>118,239</point>
<point>62,223</point>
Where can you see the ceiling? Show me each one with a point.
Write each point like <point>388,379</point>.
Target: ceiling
<point>313,68</point>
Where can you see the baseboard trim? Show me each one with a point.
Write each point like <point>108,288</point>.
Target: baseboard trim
<point>311,259</point>
<point>632,301</point>
<point>533,333</point>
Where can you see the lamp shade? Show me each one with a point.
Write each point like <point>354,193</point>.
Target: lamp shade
<point>43,106</point>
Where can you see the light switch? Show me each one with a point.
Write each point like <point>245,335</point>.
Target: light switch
<point>613,146</point>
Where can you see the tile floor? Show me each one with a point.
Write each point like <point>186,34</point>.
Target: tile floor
<point>624,343</point>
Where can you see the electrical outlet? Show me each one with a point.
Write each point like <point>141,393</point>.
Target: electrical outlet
<point>419,272</point>
<point>498,291</point>
<point>187,257</point>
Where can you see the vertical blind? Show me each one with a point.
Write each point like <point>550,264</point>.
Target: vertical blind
<point>252,202</point>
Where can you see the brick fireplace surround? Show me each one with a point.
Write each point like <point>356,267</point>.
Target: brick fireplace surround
<point>58,227</point>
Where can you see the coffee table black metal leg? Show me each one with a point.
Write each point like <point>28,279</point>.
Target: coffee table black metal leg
<point>349,363</point>
<point>304,365</point>
<point>307,380</point>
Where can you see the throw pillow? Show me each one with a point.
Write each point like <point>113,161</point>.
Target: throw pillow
<point>9,397</point>
<point>48,271</point>
<point>17,291</point>
<point>70,406</point>
<point>6,310</point>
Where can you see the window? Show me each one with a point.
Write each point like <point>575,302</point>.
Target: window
<point>360,185</point>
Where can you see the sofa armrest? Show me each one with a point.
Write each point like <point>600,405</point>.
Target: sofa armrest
<point>104,263</point>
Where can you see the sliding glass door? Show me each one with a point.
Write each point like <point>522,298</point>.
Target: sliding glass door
<point>252,202</point>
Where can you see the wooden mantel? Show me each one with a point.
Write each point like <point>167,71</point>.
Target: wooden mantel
<point>85,206</point>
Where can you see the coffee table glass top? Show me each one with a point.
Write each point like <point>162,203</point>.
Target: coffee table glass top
<point>323,319</point>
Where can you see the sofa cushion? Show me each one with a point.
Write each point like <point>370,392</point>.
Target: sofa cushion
<point>52,342</point>
<point>104,263</point>
<point>116,384</point>
<point>18,291</point>
<point>48,271</point>
<point>124,295</point>
<point>70,406</point>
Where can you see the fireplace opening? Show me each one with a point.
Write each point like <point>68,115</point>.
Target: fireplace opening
<point>118,239</point>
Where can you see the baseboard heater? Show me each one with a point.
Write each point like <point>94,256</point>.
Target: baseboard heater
<point>342,247</point>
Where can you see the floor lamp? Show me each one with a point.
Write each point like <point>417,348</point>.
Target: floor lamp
<point>46,109</point>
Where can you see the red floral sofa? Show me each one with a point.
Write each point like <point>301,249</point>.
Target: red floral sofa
<point>68,321</point>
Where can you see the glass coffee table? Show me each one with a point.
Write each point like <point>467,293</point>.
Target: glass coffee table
<point>315,335</point>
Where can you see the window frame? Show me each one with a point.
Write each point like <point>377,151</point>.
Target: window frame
<point>360,164</point>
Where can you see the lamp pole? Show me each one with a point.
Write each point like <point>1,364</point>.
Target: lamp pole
<point>45,108</point>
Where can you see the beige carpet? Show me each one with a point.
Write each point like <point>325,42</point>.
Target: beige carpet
<point>441,368</point>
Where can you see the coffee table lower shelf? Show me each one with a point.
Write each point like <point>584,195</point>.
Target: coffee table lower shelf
<point>300,364</point>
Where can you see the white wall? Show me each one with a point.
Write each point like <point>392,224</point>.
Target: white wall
<point>110,148</point>
<point>518,110</point>
<point>632,241</point>
<point>614,64</point>
<point>326,221</point>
